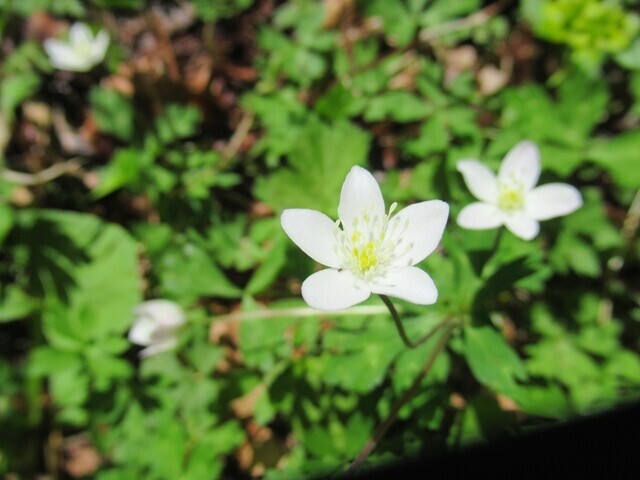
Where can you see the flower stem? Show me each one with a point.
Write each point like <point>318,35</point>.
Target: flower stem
<point>401,331</point>
<point>494,248</point>
<point>382,429</point>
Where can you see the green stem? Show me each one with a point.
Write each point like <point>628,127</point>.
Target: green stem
<point>494,248</point>
<point>402,332</point>
<point>382,429</point>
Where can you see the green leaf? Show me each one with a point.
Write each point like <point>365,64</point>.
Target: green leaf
<point>123,170</point>
<point>630,58</point>
<point>492,360</point>
<point>320,159</point>
<point>267,272</point>
<point>570,251</point>
<point>113,112</point>
<point>548,401</point>
<point>399,23</point>
<point>105,369</point>
<point>69,387</point>
<point>578,116</point>
<point>338,439</point>
<point>410,361</point>
<point>15,304</point>
<point>178,122</point>
<point>6,221</point>
<point>339,102</point>
<point>358,361</point>
<point>484,419</point>
<point>262,341</point>
<point>399,106</point>
<point>17,88</point>
<point>211,11</point>
<point>188,272</point>
<point>89,273</point>
<point>619,156</point>
<point>45,361</point>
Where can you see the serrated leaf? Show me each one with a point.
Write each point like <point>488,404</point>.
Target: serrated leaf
<point>619,155</point>
<point>188,272</point>
<point>88,271</point>
<point>399,106</point>
<point>15,304</point>
<point>113,112</point>
<point>492,360</point>
<point>319,161</point>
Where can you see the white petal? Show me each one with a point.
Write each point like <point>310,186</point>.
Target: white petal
<point>99,46</point>
<point>522,226</point>
<point>80,33</point>
<point>60,55</point>
<point>480,216</point>
<point>334,290</point>
<point>142,331</point>
<point>314,233</point>
<point>552,200</point>
<point>360,194</point>
<point>410,283</point>
<point>425,222</point>
<point>164,313</point>
<point>521,164</point>
<point>158,348</point>
<point>480,180</point>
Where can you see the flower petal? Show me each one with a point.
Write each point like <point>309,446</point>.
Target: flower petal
<point>410,283</point>
<point>158,348</point>
<point>521,164</point>
<point>99,46</point>
<point>552,200</point>
<point>60,55</point>
<point>480,180</point>
<point>360,194</point>
<point>80,33</point>
<point>164,313</point>
<point>334,290</point>
<point>522,226</point>
<point>417,230</point>
<point>314,233</point>
<point>142,331</point>
<point>480,216</point>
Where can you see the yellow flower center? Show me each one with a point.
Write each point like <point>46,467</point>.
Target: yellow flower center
<point>372,244</point>
<point>366,255</point>
<point>510,197</point>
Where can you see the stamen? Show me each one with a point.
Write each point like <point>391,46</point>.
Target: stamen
<point>373,243</point>
<point>511,196</point>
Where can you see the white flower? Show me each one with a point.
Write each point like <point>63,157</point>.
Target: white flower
<point>155,326</point>
<point>81,52</point>
<point>373,252</point>
<point>510,199</point>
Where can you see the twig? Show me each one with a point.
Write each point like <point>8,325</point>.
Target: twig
<point>632,220</point>
<point>382,429</point>
<point>44,176</point>
<point>235,142</point>
<point>475,19</point>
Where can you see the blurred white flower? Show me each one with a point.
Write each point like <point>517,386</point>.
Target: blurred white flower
<point>156,326</point>
<point>373,252</point>
<point>510,199</point>
<point>80,52</point>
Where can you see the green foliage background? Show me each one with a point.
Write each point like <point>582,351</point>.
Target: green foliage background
<point>162,174</point>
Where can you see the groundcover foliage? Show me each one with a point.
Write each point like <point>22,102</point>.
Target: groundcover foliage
<point>157,165</point>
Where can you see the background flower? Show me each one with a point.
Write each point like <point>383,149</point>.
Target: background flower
<point>80,52</point>
<point>155,326</point>
<point>510,199</point>
<point>373,252</point>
